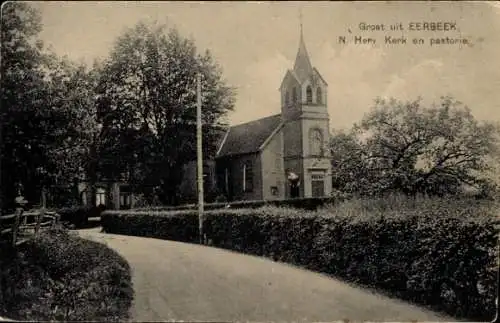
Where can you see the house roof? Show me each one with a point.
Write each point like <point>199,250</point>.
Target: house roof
<point>248,137</point>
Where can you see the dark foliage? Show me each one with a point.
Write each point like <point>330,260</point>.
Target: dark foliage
<point>62,277</point>
<point>410,148</point>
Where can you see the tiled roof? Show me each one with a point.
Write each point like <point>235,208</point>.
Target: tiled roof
<point>248,137</point>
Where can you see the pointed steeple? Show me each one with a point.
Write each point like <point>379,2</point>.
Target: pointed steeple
<point>302,67</point>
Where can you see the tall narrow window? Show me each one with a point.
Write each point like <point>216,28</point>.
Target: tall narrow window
<point>309,94</point>
<point>294,95</point>
<point>319,96</point>
<point>226,180</point>
<point>247,177</point>
<point>84,197</point>
<point>316,142</point>
<point>287,98</point>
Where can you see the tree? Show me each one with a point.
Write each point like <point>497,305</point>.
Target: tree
<point>147,96</point>
<point>48,117</point>
<point>23,118</point>
<point>71,89</point>
<point>408,148</point>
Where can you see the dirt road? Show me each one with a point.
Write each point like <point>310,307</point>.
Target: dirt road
<point>178,281</point>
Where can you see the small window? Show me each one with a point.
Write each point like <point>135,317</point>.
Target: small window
<point>100,198</point>
<point>274,190</point>
<point>317,177</point>
<point>125,200</point>
<point>294,95</point>
<point>247,177</point>
<point>309,94</point>
<point>319,96</point>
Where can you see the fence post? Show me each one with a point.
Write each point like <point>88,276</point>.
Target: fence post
<point>25,220</point>
<point>15,226</point>
<point>55,222</point>
<point>20,201</point>
<point>39,221</point>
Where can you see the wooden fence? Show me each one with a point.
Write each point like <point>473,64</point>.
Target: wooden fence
<point>22,230</point>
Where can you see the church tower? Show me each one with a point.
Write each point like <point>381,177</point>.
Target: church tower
<point>306,128</point>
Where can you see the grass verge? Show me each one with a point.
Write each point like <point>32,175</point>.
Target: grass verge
<point>60,276</point>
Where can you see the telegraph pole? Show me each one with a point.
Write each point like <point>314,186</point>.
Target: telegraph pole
<point>199,156</point>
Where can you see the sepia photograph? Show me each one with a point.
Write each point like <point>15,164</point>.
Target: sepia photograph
<point>244,161</point>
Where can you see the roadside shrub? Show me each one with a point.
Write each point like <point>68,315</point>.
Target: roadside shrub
<point>437,252</point>
<point>178,225</point>
<point>59,276</point>
<point>79,215</point>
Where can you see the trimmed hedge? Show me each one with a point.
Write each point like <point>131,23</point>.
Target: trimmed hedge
<point>310,203</point>
<point>435,252</point>
<point>59,276</point>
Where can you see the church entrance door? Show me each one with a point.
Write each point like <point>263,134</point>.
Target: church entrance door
<point>318,188</point>
<point>318,185</point>
<point>294,181</point>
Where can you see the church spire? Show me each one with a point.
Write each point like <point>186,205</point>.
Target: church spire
<point>302,67</point>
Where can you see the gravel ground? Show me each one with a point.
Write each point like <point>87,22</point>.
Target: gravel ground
<point>185,282</point>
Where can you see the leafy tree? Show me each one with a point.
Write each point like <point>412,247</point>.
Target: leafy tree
<point>71,90</point>
<point>409,148</point>
<point>147,96</point>
<point>48,117</point>
<point>350,170</point>
<point>23,117</point>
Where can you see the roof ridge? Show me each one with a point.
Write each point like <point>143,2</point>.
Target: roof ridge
<point>248,137</point>
<point>255,120</point>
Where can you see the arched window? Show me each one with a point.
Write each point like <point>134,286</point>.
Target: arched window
<point>309,94</point>
<point>316,142</point>
<point>294,95</point>
<point>287,98</point>
<point>319,96</point>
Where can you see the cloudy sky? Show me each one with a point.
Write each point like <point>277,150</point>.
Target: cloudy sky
<point>257,42</point>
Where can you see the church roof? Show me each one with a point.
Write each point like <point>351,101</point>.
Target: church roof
<point>248,137</point>
<point>302,67</point>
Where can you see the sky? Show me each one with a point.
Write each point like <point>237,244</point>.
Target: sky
<point>256,42</point>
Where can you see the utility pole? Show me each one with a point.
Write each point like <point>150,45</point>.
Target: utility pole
<point>199,159</point>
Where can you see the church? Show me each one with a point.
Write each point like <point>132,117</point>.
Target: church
<point>284,155</point>
<point>277,157</point>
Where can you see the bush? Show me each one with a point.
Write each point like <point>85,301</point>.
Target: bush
<point>62,277</point>
<point>436,252</point>
<point>79,215</point>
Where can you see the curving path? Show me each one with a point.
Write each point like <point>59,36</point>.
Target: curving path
<point>184,282</point>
